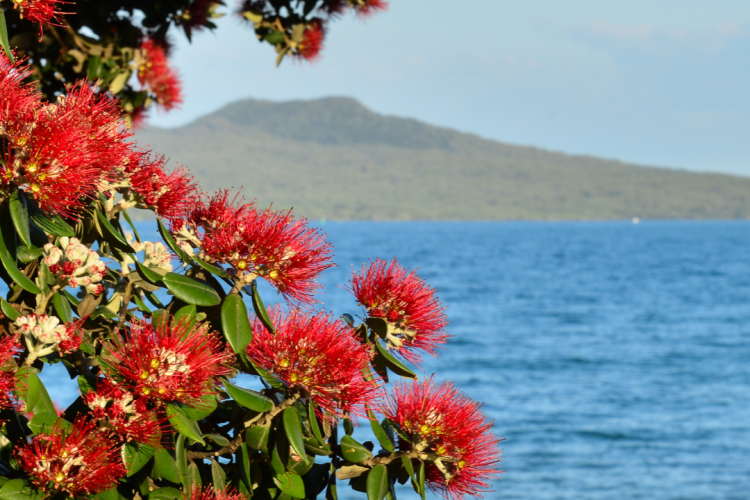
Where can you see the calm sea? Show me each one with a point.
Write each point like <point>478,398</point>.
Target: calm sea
<point>613,357</point>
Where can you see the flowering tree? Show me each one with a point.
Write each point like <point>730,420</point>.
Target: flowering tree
<point>156,353</point>
<point>112,40</point>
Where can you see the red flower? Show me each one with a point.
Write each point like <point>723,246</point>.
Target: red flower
<point>167,362</point>
<point>318,355</point>
<point>156,74</point>
<point>78,460</point>
<point>211,493</point>
<point>416,319</point>
<point>8,349</point>
<point>40,11</point>
<point>167,194</point>
<point>18,100</point>
<point>312,42</point>
<point>258,243</point>
<point>366,8</point>
<point>68,150</point>
<point>450,432</point>
<point>128,417</point>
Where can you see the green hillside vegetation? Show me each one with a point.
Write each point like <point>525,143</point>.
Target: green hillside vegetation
<point>333,158</point>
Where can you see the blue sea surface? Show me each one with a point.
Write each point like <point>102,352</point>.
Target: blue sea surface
<point>614,358</point>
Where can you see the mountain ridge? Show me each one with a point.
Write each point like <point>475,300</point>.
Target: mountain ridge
<point>334,158</point>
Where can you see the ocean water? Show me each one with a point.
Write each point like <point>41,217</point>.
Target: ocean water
<point>614,358</point>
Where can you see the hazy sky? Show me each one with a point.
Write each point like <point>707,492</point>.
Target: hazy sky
<point>662,82</point>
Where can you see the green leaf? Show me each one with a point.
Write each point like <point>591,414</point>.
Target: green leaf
<point>52,224</point>
<point>348,426</point>
<point>393,364</point>
<point>190,290</point>
<point>186,315</point>
<point>9,310</point>
<point>354,451</point>
<point>165,466</point>
<point>180,458</point>
<point>147,274</point>
<point>293,429</point>
<point>257,436</point>
<point>62,307</point>
<point>272,381</point>
<point>193,476</point>
<point>42,422</point>
<point>314,447</point>
<point>243,467</point>
<point>135,456</point>
<point>261,311</point>
<point>32,392</point>
<point>27,254</point>
<point>377,483</point>
<point>291,484</point>
<point>130,222</point>
<point>85,385</point>
<point>217,438</point>
<point>116,238</point>
<point>4,37</point>
<point>20,489</point>
<point>166,494</point>
<point>249,399</point>
<point>141,305</point>
<point>421,480</point>
<point>235,324</point>
<point>18,276</point>
<point>409,466</point>
<point>172,244</point>
<point>312,418</point>
<point>218,476</point>
<point>110,494</point>
<point>183,424</point>
<point>19,214</point>
<point>201,410</point>
<point>210,267</point>
<point>380,433</point>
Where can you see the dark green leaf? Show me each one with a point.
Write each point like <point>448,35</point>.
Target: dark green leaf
<point>218,476</point>
<point>183,424</point>
<point>291,484</point>
<point>52,224</point>
<point>9,310</point>
<point>380,433</point>
<point>257,436</point>
<point>116,239</point>
<point>249,399</point>
<point>141,305</point>
<point>62,307</point>
<point>421,480</point>
<point>201,410</point>
<point>135,456</point>
<point>354,451</point>
<point>165,466</point>
<point>312,418</point>
<point>217,438</point>
<point>272,381</point>
<point>4,43</point>
<point>42,422</point>
<point>85,385</point>
<point>235,324</point>
<point>20,489</point>
<point>348,426</point>
<point>19,214</point>
<point>110,494</point>
<point>171,243</point>
<point>147,273</point>
<point>378,325</point>
<point>409,467</point>
<point>190,290</point>
<point>18,276</point>
<point>186,315</point>
<point>243,466</point>
<point>394,364</point>
<point>377,483</point>
<point>166,494</point>
<point>261,311</point>
<point>293,429</point>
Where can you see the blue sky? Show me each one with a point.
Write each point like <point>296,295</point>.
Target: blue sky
<point>662,83</point>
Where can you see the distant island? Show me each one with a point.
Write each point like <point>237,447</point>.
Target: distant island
<point>335,159</point>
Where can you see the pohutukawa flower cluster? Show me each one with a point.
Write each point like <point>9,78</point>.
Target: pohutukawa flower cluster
<point>184,393</point>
